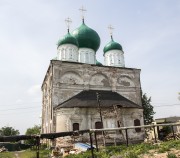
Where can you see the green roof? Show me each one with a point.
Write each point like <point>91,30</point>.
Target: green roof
<point>87,37</point>
<point>112,45</point>
<point>68,39</point>
<point>98,63</point>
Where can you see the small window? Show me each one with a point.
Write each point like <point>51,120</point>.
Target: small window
<point>98,125</point>
<point>75,126</point>
<point>137,123</point>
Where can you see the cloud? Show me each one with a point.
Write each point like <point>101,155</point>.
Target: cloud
<point>34,90</point>
<point>19,101</point>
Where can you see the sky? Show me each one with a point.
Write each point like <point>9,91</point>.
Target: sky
<point>149,32</point>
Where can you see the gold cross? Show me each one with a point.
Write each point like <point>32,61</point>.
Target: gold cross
<point>82,10</point>
<point>110,29</point>
<point>68,21</point>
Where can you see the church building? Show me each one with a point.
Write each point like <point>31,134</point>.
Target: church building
<point>76,87</point>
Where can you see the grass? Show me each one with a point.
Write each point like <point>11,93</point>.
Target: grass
<point>7,155</point>
<point>133,151</point>
<point>25,154</point>
<point>171,155</point>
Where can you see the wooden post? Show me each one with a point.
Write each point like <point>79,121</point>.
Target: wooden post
<point>127,142</point>
<point>155,139</point>
<point>172,129</point>
<point>91,141</point>
<point>95,136</point>
<point>37,146</point>
<point>100,113</point>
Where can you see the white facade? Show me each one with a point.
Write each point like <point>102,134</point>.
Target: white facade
<point>68,52</point>
<point>64,80</point>
<point>87,55</point>
<point>114,58</point>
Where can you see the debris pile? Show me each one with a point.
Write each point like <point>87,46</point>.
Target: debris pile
<point>3,149</point>
<point>171,137</point>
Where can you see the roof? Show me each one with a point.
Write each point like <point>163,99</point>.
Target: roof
<point>168,119</point>
<point>112,45</point>
<point>87,37</point>
<point>88,99</point>
<point>68,39</point>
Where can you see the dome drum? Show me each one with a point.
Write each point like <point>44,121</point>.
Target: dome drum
<point>68,52</point>
<point>87,55</point>
<point>114,58</point>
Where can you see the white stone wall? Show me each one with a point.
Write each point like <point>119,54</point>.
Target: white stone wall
<point>68,52</point>
<point>114,58</point>
<point>71,78</point>
<point>47,108</point>
<point>63,80</point>
<point>87,55</point>
<point>87,117</point>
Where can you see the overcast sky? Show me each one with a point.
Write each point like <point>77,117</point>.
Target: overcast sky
<point>149,32</point>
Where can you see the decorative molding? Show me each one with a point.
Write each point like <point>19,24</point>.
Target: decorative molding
<point>71,77</point>
<point>100,79</point>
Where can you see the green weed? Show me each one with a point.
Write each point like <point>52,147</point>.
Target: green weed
<point>171,155</point>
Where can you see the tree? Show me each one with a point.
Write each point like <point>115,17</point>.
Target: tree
<point>8,131</point>
<point>33,131</point>
<point>148,109</point>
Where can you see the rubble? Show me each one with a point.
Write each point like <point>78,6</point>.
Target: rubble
<point>3,149</point>
<point>171,137</point>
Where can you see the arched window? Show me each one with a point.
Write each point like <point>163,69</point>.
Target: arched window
<point>75,126</point>
<point>119,59</point>
<point>62,53</point>
<point>111,60</point>
<point>70,53</point>
<point>87,57</point>
<point>137,123</point>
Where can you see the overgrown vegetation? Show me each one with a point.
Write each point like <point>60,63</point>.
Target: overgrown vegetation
<point>32,131</point>
<point>171,155</point>
<point>148,112</point>
<point>25,154</point>
<point>133,151</point>
<point>8,131</point>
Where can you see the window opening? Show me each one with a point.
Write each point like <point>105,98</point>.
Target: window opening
<point>137,123</point>
<point>75,126</point>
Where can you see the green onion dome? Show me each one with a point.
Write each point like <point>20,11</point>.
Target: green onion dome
<point>68,39</point>
<point>87,37</point>
<point>112,45</point>
<point>98,63</point>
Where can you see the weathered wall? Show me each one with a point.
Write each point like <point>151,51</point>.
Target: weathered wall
<point>63,80</point>
<point>47,110</point>
<point>87,117</point>
<point>71,78</point>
